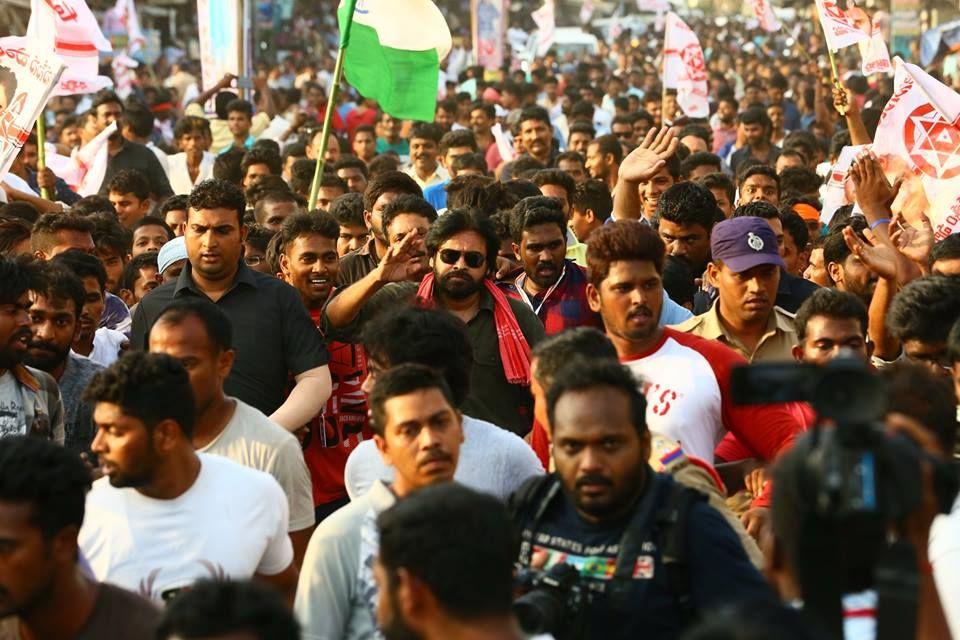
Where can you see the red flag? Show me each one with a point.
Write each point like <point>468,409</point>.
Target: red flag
<point>684,68</point>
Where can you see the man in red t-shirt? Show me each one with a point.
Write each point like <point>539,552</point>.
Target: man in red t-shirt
<point>309,262</point>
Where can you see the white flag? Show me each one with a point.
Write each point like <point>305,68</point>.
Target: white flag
<point>918,139</point>
<point>91,161</point>
<point>546,27</point>
<point>70,30</point>
<point>28,73</point>
<point>764,12</point>
<point>653,6</point>
<point>874,56</point>
<point>838,27</point>
<point>839,189</point>
<point>684,68</point>
<point>122,21</point>
<point>586,11</point>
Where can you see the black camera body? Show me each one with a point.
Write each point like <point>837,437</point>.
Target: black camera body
<point>553,601</point>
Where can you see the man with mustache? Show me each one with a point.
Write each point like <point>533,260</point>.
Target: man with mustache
<point>55,311</point>
<point>30,402</point>
<point>552,286</point>
<point>425,167</point>
<point>745,270</point>
<point>419,432</point>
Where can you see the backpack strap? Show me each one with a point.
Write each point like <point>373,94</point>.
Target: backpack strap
<point>526,508</point>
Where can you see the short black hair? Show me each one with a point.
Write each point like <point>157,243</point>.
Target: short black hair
<point>130,181</point>
<point>240,106</point>
<point>151,387</point>
<point>429,337</point>
<point>43,235</point>
<point>687,203</point>
<point>757,209</point>
<point>583,374</point>
<point>261,156</point>
<point>800,181</point>
<point>83,265</point>
<point>534,211</point>
<point>946,249</point>
<point>456,541</point>
<point>748,170</point>
<point>558,178</point>
<point>348,210</point>
<point>830,303</point>
<point>191,124</point>
<point>131,270</point>
<point>583,127</point>
<point>109,234</point>
<point>303,224</point>
<point>835,248</point>
<point>152,221</point>
<point>13,231</point>
<point>389,182</point>
<point>594,195</point>
<point>173,203</point>
<point>400,381</point>
<point>953,342</point>
<point>535,113</point>
<point>215,322</point>
<point>21,210</point>
<point>212,608</point>
<point>457,138</point>
<point>227,166</point>
<point>609,144</point>
<point>754,115</point>
<point>468,161</point>
<point>795,227</point>
<point>556,351</point>
<point>139,118</point>
<point>272,197</point>
<point>928,398</point>
<point>925,309</point>
<point>720,180</point>
<point>407,204</point>
<point>18,275</point>
<point>573,156</point>
<point>699,159</point>
<point>426,131</point>
<point>52,480</point>
<point>258,236</point>
<point>218,194</point>
<point>622,240</point>
<point>104,96</point>
<point>351,162</point>
<point>487,108</point>
<point>456,221</point>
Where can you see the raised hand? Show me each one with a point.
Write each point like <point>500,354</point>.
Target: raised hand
<point>403,259</point>
<point>874,255</point>
<point>915,244</point>
<point>875,194</point>
<point>647,159</point>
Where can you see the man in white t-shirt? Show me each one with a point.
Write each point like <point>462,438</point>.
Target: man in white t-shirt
<point>492,460</point>
<point>165,516</point>
<point>418,432</point>
<point>199,335</point>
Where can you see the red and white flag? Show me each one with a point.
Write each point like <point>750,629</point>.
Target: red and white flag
<point>91,161</point>
<point>764,12</point>
<point>838,27</point>
<point>684,68</point>
<point>122,24</point>
<point>545,18</point>
<point>918,139</point>
<point>874,57</point>
<point>839,189</point>
<point>29,72</point>
<point>70,30</point>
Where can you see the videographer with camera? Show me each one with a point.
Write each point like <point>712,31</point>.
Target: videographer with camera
<point>610,549</point>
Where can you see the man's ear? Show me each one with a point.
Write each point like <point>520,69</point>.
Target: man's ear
<point>128,297</point>
<point>381,443</point>
<point>593,298</point>
<point>835,273</point>
<point>797,352</point>
<point>516,251</point>
<point>285,266</point>
<point>713,275</point>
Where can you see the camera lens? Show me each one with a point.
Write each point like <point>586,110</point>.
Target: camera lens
<point>539,612</point>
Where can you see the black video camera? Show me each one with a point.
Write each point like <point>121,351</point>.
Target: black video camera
<point>552,603</point>
<point>855,484</point>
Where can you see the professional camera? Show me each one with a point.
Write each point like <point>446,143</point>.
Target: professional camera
<point>552,603</point>
<point>854,485</point>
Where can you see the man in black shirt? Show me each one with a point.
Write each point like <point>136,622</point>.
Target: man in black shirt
<point>609,520</point>
<point>273,335</point>
<point>45,592</point>
<point>107,109</point>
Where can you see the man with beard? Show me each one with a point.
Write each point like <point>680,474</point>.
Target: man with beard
<point>424,167</point>
<point>418,432</point>
<point>648,171</point>
<point>274,337</point>
<point>55,312</point>
<point>745,271</point>
<point>845,269</point>
<point>423,594</point>
<point>686,379</point>
<point>608,521</point>
<point>536,135</point>
<point>30,402</point>
<point>604,156</point>
<point>381,191</point>
<point>164,516</point>
<point>724,123</point>
<point>755,126</point>
<point>552,286</point>
<point>309,263</point>
<point>46,592</point>
<point>920,318</point>
<point>123,154</point>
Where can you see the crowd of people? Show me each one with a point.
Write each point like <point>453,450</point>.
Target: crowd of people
<point>483,368</point>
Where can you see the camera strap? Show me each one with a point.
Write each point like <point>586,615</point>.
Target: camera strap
<point>898,589</point>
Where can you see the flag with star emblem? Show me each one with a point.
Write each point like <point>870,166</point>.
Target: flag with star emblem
<point>684,68</point>
<point>918,139</point>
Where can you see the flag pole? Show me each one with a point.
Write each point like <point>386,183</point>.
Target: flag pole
<point>833,60</point>
<point>331,105</point>
<point>42,149</point>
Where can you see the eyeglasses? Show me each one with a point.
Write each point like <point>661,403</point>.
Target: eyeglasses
<point>473,259</point>
<point>252,261</point>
